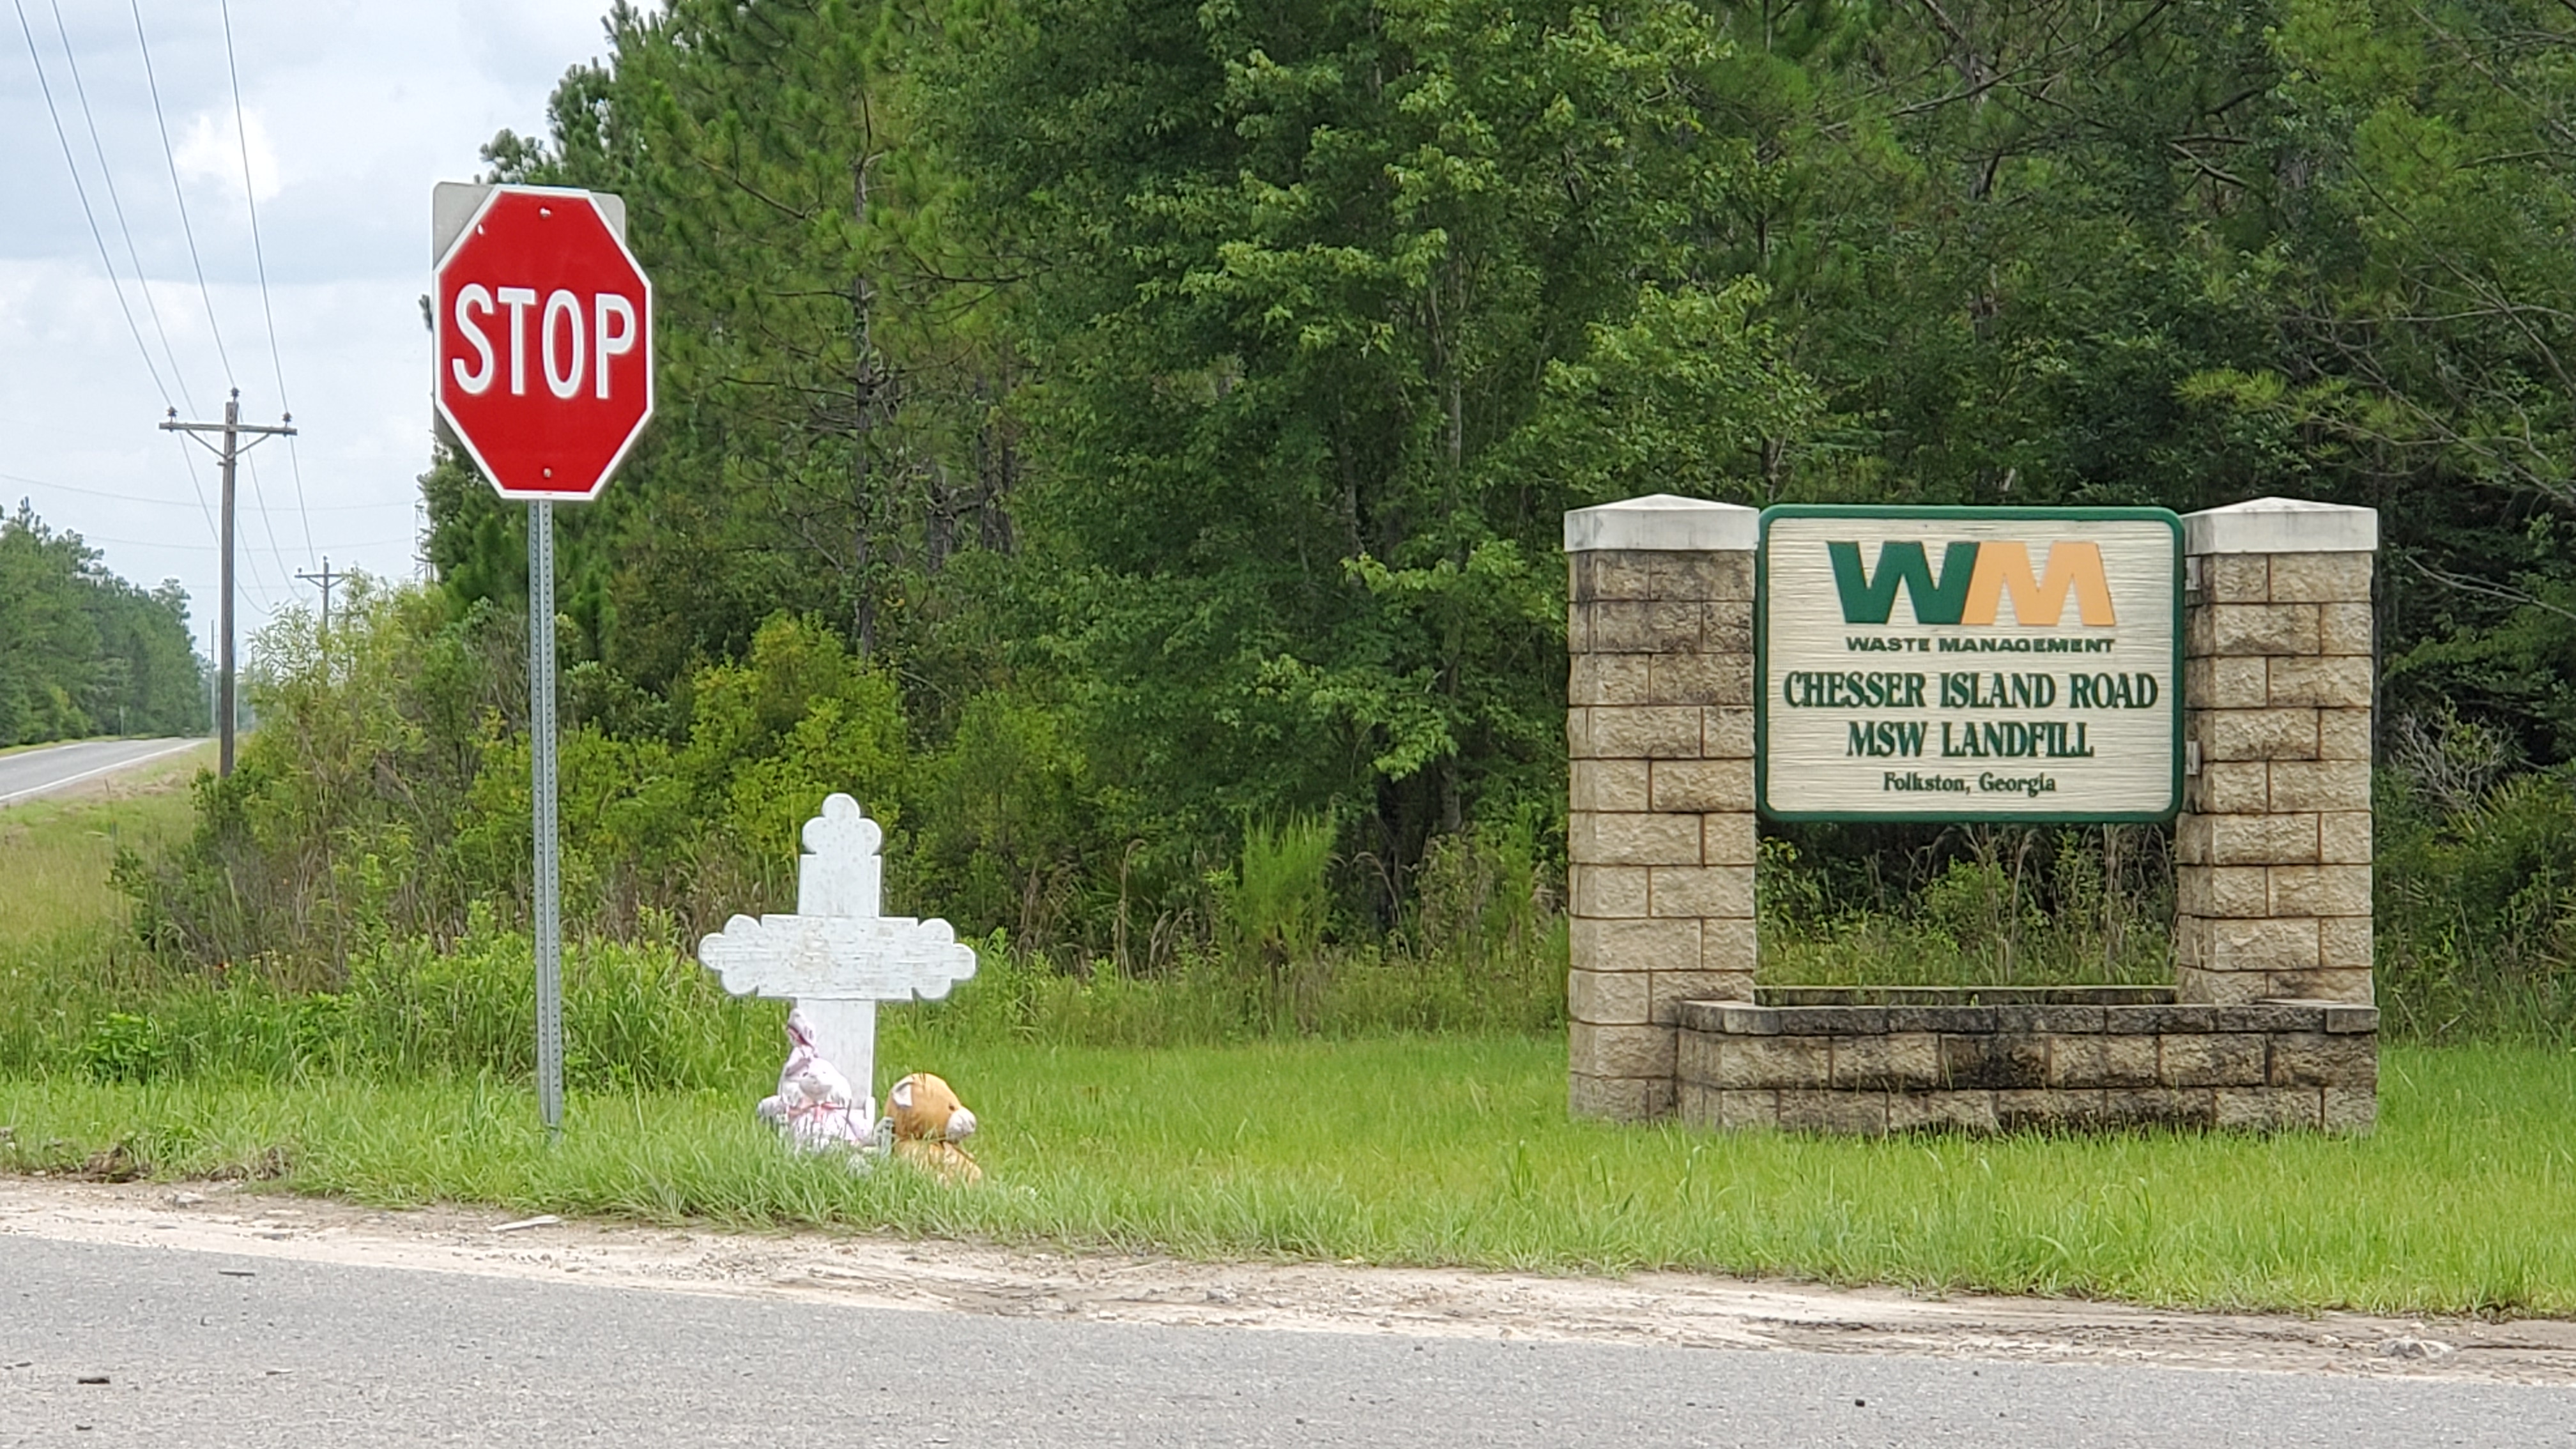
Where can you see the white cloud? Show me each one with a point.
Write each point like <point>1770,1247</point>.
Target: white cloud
<point>212,152</point>
<point>353,108</point>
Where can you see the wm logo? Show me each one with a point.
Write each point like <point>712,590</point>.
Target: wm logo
<point>1973,581</point>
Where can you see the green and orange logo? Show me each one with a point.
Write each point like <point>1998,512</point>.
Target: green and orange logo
<point>1974,579</point>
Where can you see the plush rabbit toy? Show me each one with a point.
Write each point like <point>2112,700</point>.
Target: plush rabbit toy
<point>815,1108</point>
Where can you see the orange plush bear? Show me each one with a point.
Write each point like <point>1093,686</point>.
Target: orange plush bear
<point>929,1123</point>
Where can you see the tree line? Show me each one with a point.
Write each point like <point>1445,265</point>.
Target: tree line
<point>83,652</point>
<point>1175,402</point>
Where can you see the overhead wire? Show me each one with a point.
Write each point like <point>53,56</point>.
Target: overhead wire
<point>90,214</point>
<point>198,488</point>
<point>265,588</point>
<point>142,283</point>
<point>81,189</point>
<point>47,483</point>
<point>250,198</point>
<point>259,498</point>
<point>116,204</point>
<point>170,155</point>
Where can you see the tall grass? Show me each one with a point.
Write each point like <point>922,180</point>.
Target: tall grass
<point>1459,1151</point>
<point>1401,1102</point>
<point>648,1016</point>
<point>67,954</point>
<point>58,853</point>
<point>2477,905</point>
<point>2012,907</point>
<point>79,995</point>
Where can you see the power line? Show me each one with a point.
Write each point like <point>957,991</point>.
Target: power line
<point>267,523</point>
<point>102,241</point>
<point>250,198</point>
<point>21,478</point>
<point>170,155</point>
<point>82,190</point>
<point>261,585</point>
<point>197,488</point>
<point>116,203</point>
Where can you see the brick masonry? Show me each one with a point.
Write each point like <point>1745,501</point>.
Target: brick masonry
<point>1661,836</point>
<point>2069,1064</point>
<point>2272,851</point>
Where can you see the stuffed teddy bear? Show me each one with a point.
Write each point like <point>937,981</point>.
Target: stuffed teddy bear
<point>928,1124</point>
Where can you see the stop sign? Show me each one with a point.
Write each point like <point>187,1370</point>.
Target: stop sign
<point>543,327</point>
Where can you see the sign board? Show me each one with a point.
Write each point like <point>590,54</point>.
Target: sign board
<point>2000,664</point>
<point>542,326</point>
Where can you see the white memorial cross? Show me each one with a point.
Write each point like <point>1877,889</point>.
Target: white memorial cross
<point>837,957</point>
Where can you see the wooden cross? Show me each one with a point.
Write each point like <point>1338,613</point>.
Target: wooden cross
<point>836,957</point>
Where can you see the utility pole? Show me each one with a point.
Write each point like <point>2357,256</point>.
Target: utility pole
<point>232,428</point>
<point>326,579</point>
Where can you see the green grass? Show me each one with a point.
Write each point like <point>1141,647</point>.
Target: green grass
<point>66,953</point>
<point>56,852</point>
<point>1196,1119</point>
<point>1459,1151</point>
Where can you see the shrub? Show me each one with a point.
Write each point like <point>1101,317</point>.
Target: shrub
<point>122,1047</point>
<point>386,793</point>
<point>2477,906</point>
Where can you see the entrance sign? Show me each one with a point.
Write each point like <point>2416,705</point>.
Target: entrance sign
<point>836,958</point>
<point>543,342</point>
<point>2020,664</point>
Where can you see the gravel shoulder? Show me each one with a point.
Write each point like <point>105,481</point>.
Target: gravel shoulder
<point>1667,1309</point>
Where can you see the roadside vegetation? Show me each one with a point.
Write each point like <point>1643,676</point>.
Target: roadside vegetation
<point>1126,446</point>
<point>1450,1150</point>
<point>1358,1107</point>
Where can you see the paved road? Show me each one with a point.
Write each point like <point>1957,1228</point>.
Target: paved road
<point>32,773</point>
<point>208,1348</point>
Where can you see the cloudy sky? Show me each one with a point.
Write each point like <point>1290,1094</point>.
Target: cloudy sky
<point>351,110</point>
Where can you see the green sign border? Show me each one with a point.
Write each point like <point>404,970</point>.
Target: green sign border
<point>1762,673</point>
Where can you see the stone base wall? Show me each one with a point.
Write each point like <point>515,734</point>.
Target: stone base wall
<point>1875,1069</point>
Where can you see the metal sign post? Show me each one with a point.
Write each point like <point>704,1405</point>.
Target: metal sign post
<point>542,340</point>
<point>541,792</point>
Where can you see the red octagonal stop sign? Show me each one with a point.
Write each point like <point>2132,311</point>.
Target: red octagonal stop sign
<point>544,343</point>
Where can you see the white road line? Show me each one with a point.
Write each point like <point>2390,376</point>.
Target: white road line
<point>52,785</point>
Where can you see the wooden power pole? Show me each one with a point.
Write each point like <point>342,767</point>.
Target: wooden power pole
<point>327,579</point>
<point>233,430</point>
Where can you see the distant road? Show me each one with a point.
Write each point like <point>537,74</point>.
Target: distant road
<point>42,772</point>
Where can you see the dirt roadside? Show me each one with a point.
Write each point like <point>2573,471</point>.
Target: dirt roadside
<point>1672,1309</point>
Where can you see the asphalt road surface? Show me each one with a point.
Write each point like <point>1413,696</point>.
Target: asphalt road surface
<point>32,773</point>
<point>103,1344</point>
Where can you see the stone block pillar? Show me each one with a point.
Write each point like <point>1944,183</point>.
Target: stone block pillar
<point>2272,852</point>
<point>1659,727</point>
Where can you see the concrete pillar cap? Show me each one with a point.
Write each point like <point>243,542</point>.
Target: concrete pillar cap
<point>2276,525</point>
<point>1661,522</point>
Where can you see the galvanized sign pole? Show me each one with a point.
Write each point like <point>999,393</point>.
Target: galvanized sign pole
<point>541,791</point>
<point>542,339</point>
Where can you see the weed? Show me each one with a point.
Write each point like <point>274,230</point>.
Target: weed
<point>123,1047</point>
<point>1458,1151</point>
